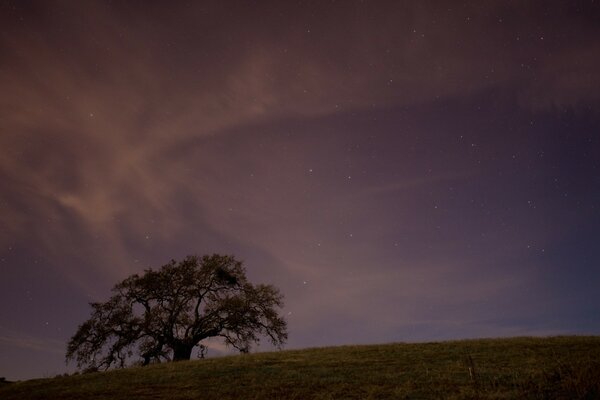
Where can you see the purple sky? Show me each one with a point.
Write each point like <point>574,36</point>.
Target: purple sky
<point>401,171</point>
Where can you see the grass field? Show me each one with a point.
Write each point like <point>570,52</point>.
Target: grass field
<point>523,368</point>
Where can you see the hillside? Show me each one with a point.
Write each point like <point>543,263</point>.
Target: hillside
<point>537,368</point>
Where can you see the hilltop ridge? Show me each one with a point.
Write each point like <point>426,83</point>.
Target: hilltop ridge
<point>558,367</point>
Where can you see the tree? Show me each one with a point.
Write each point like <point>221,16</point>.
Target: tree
<point>164,314</point>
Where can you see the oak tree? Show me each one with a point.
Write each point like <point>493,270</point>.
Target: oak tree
<point>163,314</point>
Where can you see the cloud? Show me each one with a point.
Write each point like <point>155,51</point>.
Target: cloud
<point>446,176</point>
<point>93,106</point>
<point>566,80</point>
<point>18,339</point>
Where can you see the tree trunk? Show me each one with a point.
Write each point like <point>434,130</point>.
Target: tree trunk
<point>182,352</point>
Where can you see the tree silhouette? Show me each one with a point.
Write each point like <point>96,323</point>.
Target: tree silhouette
<point>164,314</point>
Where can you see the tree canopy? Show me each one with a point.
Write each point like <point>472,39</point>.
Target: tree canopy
<point>163,314</point>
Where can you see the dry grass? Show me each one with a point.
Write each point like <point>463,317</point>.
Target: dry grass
<point>524,368</point>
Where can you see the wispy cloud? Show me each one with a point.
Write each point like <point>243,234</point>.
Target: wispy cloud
<point>16,339</point>
<point>86,138</point>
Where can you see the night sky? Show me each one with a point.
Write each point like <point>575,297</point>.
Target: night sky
<point>402,171</point>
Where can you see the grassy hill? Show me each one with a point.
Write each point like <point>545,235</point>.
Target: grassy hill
<point>536,368</point>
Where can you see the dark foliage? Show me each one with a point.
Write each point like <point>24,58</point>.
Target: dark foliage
<point>164,314</point>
